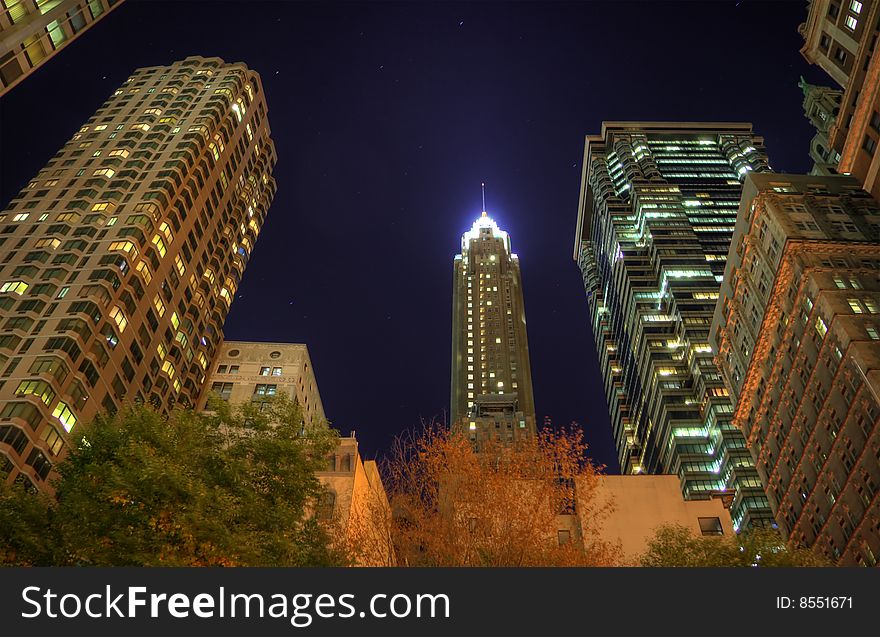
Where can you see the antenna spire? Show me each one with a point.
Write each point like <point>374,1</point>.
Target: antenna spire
<point>483,188</point>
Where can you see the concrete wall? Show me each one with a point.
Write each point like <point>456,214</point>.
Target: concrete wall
<point>641,503</point>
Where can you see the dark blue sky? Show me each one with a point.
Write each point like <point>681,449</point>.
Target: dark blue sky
<point>386,117</point>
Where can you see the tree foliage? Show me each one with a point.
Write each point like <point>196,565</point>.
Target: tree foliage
<point>232,487</point>
<point>502,506</point>
<point>676,545</point>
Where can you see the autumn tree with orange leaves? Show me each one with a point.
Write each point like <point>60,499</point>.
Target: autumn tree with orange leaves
<point>231,488</point>
<point>503,506</point>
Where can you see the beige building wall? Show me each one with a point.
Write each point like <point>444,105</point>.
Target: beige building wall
<point>32,31</point>
<point>247,371</point>
<point>357,501</point>
<point>642,503</point>
<point>250,371</point>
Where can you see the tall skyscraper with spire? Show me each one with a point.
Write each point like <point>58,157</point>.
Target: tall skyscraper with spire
<point>491,375</point>
<point>120,259</point>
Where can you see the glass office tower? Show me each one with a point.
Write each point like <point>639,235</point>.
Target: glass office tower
<point>658,205</point>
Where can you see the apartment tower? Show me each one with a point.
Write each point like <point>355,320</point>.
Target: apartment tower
<point>32,31</point>
<point>657,209</point>
<point>491,376</point>
<point>121,257</point>
<point>797,336</point>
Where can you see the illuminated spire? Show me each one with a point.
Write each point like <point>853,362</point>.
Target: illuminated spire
<point>484,221</point>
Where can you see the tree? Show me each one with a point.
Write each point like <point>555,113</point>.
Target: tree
<point>502,506</point>
<point>676,545</point>
<point>232,487</point>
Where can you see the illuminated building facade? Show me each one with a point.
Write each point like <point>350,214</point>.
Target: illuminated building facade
<point>32,31</point>
<point>797,336</point>
<point>841,36</point>
<point>250,371</point>
<point>657,209</point>
<point>821,106</point>
<point>491,374</point>
<point>254,372</point>
<point>121,257</point>
<point>838,34</point>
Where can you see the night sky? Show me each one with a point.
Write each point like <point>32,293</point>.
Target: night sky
<point>386,118</point>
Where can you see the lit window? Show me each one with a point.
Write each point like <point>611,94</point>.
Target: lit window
<point>160,245</point>
<point>178,263</point>
<point>119,318</point>
<point>159,305</point>
<point>104,172</point>
<point>124,246</point>
<point>855,306</point>
<point>161,351</point>
<point>276,371</point>
<point>47,243</point>
<point>38,388</point>
<point>851,23</point>
<point>264,371</point>
<point>855,6</point>
<point>821,327</point>
<point>168,368</point>
<point>141,267</point>
<point>22,216</point>
<point>65,416</point>
<point>16,287</point>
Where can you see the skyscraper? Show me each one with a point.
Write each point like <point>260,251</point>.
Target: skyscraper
<point>658,204</point>
<point>838,35</point>
<point>797,336</point>
<point>32,31</point>
<point>122,256</point>
<point>841,36</point>
<point>491,375</point>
